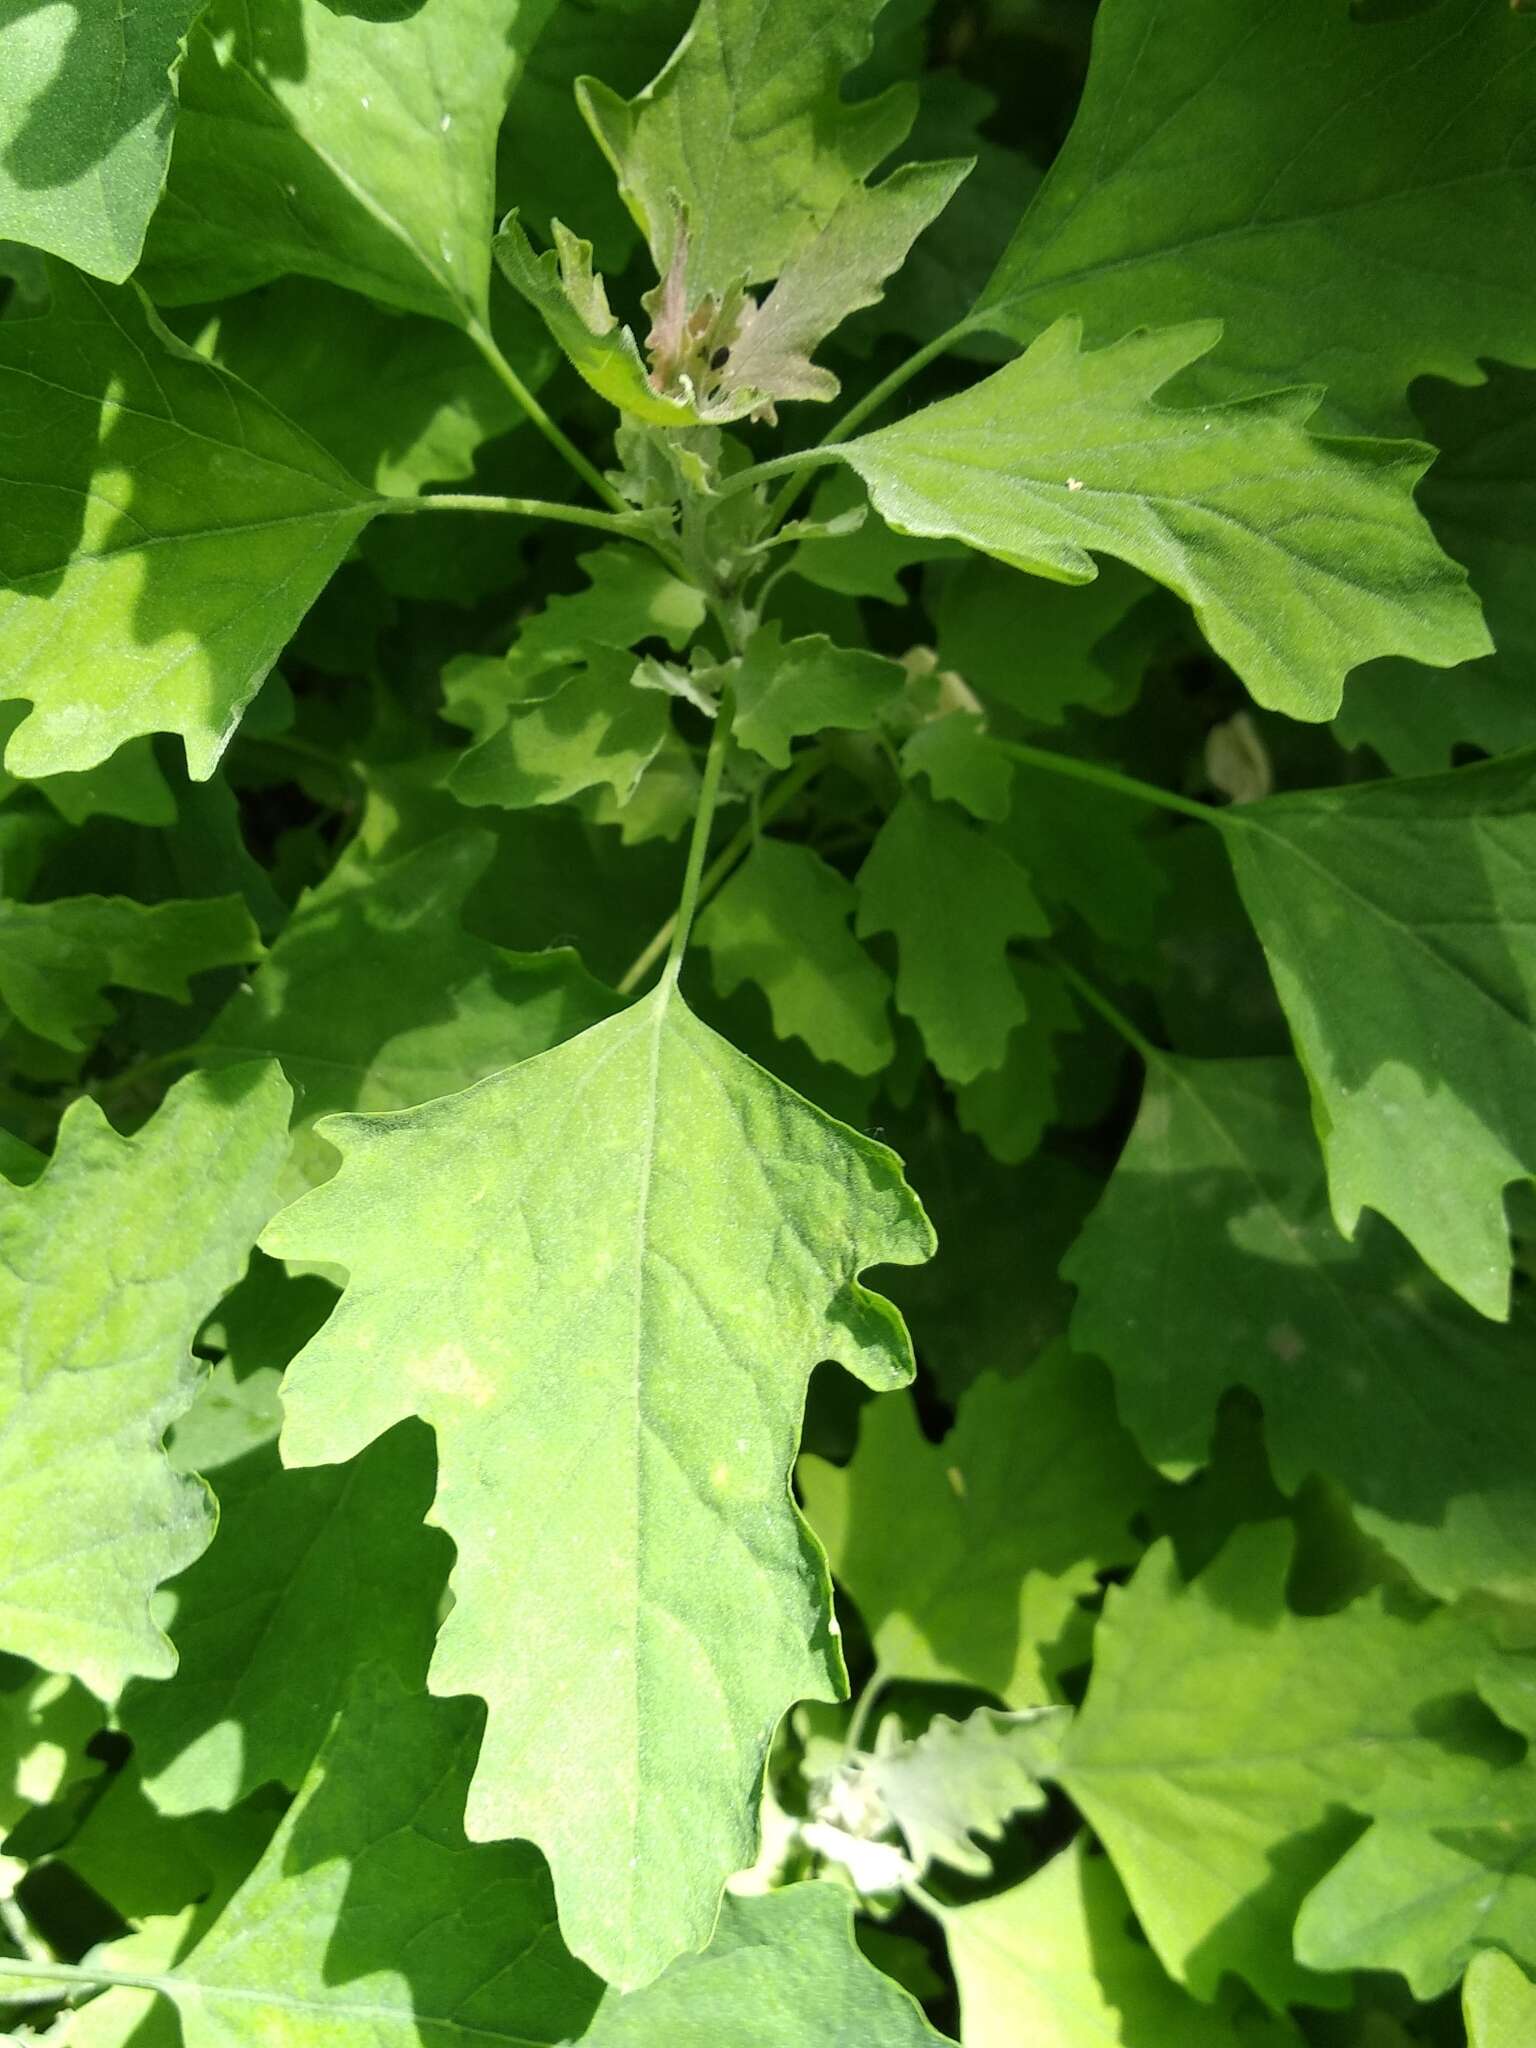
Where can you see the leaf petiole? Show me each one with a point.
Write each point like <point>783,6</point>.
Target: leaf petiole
<point>1111,778</point>
<point>857,414</point>
<point>624,524</point>
<point>561,442</point>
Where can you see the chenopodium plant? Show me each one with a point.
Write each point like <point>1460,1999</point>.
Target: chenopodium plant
<point>407,1627</point>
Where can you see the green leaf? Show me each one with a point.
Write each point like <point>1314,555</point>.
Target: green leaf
<point>959,1779</point>
<point>1500,2003</point>
<point>375,997</point>
<point>857,560</point>
<point>45,1724</point>
<point>744,136</point>
<point>544,154</point>
<point>113,1259</point>
<point>1395,918</point>
<point>952,755</point>
<point>1092,858</point>
<point>129,785</point>
<point>1055,1963</point>
<point>85,128</point>
<point>370,1919</point>
<point>842,270</point>
<point>1216,1717</point>
<point>1302,557</point>
<point>967,1558</point>
<point>784,691</point>
<point>1351,200</point>
<point>783,1971</point>
<point>629,596</point>
<point>572,302</point>
<point>783,920</point>
<point>1480,497</point>
<point>1212,1262</point>
<point>330,144</point>
<point>311,1575</point>
<point>56,958</point>
<point>400,401</point>
<point>537,1269</point>
<point>162,524</point>
<point>954,899</point>
<point>1034,646</point>
<point>591,728</point>
<point>1425,1901</point>
<point>1010,1108</point>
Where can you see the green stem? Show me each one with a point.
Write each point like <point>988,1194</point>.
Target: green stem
<point>792,466</point>
<point>1111,778</point>
<point>590,475</point>
<point>921,1896</point>
<point>784,791</point>
<point>857,414</point>
<point>698,845</point>
<point>620,523</point>
<point>859,1719</point>
<point>1113,1015</point>
<point>78,1973</point>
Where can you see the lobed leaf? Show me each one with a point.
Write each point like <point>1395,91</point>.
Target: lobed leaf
<point>1302,557</point>
<point>543,1269</point>
<point>1368,229</point>
<point>113,1258</point>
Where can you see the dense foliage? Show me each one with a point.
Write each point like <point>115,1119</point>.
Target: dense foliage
<point>765,1200</point>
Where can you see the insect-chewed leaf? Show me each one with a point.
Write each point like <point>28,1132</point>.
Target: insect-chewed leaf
<point>604,1277</point>
<point>111,1261</point>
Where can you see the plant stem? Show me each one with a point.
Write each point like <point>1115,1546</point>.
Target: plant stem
<point>1113,1015</point>
<point>859,1719</point>
<point>590,475</point>
<point>1111,778</point>
<point>698,845</point>
<point>920,1896</point>
<point>77,1973</point>
<point>789,786</point>
<point>619,523</point>
<point>856,415</point>
<point>792,466</point>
